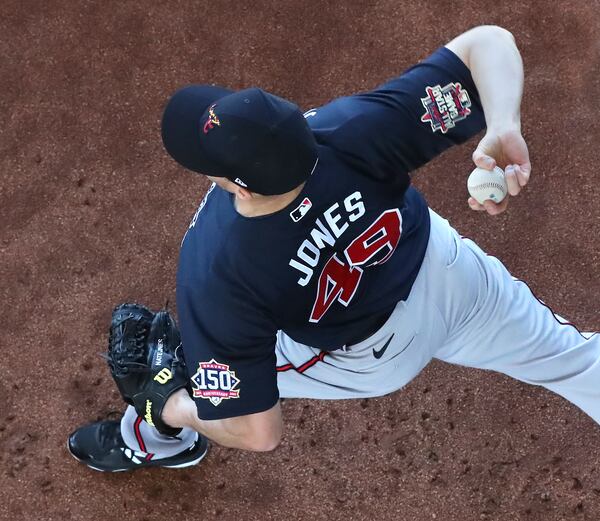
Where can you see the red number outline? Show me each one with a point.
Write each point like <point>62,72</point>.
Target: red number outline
<point>363,244</point>
<point>350,274</point>
<point>343,292</point>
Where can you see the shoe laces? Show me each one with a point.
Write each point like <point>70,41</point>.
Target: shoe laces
<point>109,435</point>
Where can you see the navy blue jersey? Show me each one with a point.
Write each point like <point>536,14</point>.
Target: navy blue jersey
<point>331,266</point>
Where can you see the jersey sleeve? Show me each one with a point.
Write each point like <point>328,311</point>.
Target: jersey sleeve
<point>401,125</point>
<point>229,349</point>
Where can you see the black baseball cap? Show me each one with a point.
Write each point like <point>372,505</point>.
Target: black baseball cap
<point>251,137</point>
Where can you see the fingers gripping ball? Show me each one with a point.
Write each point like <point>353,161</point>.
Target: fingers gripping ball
<point>145,360</point>
<point>487,184</point>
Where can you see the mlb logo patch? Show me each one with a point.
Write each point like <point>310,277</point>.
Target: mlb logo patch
<point>301,210</point>
<point>445,106</point>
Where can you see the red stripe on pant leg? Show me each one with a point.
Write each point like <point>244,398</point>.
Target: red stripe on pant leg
<point>138,434</point>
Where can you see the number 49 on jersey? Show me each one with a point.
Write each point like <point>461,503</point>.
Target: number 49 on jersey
<point>340,278</point>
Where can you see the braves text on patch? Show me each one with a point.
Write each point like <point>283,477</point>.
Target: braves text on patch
<point>301,210</point>
<point>212,120</point>
<point>445,106</point>
<point>215,382</point>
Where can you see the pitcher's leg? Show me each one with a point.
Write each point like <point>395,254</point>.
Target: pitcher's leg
<point>514,333</point>
<point>144,438</point>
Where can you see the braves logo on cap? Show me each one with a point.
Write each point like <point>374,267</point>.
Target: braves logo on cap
<point>301,210</point>
<point>212,120</point>
<point>445,106</point>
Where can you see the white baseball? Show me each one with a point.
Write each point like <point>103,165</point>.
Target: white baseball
<point>487,184</point>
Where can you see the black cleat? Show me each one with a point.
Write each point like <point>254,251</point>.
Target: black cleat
<point>101,447</point>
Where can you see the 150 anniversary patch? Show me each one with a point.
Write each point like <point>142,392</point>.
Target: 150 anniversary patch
<point>445,106</point>
<point>215,382</point>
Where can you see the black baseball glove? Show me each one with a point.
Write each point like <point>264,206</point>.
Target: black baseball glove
<point>145,360</point>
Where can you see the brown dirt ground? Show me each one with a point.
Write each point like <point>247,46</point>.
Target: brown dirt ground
<point>92,212</point>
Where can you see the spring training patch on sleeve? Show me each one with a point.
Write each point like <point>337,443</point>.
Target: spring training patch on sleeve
<point>445,106</point>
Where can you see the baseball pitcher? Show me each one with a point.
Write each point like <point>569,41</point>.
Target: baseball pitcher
<point>313,269</point>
